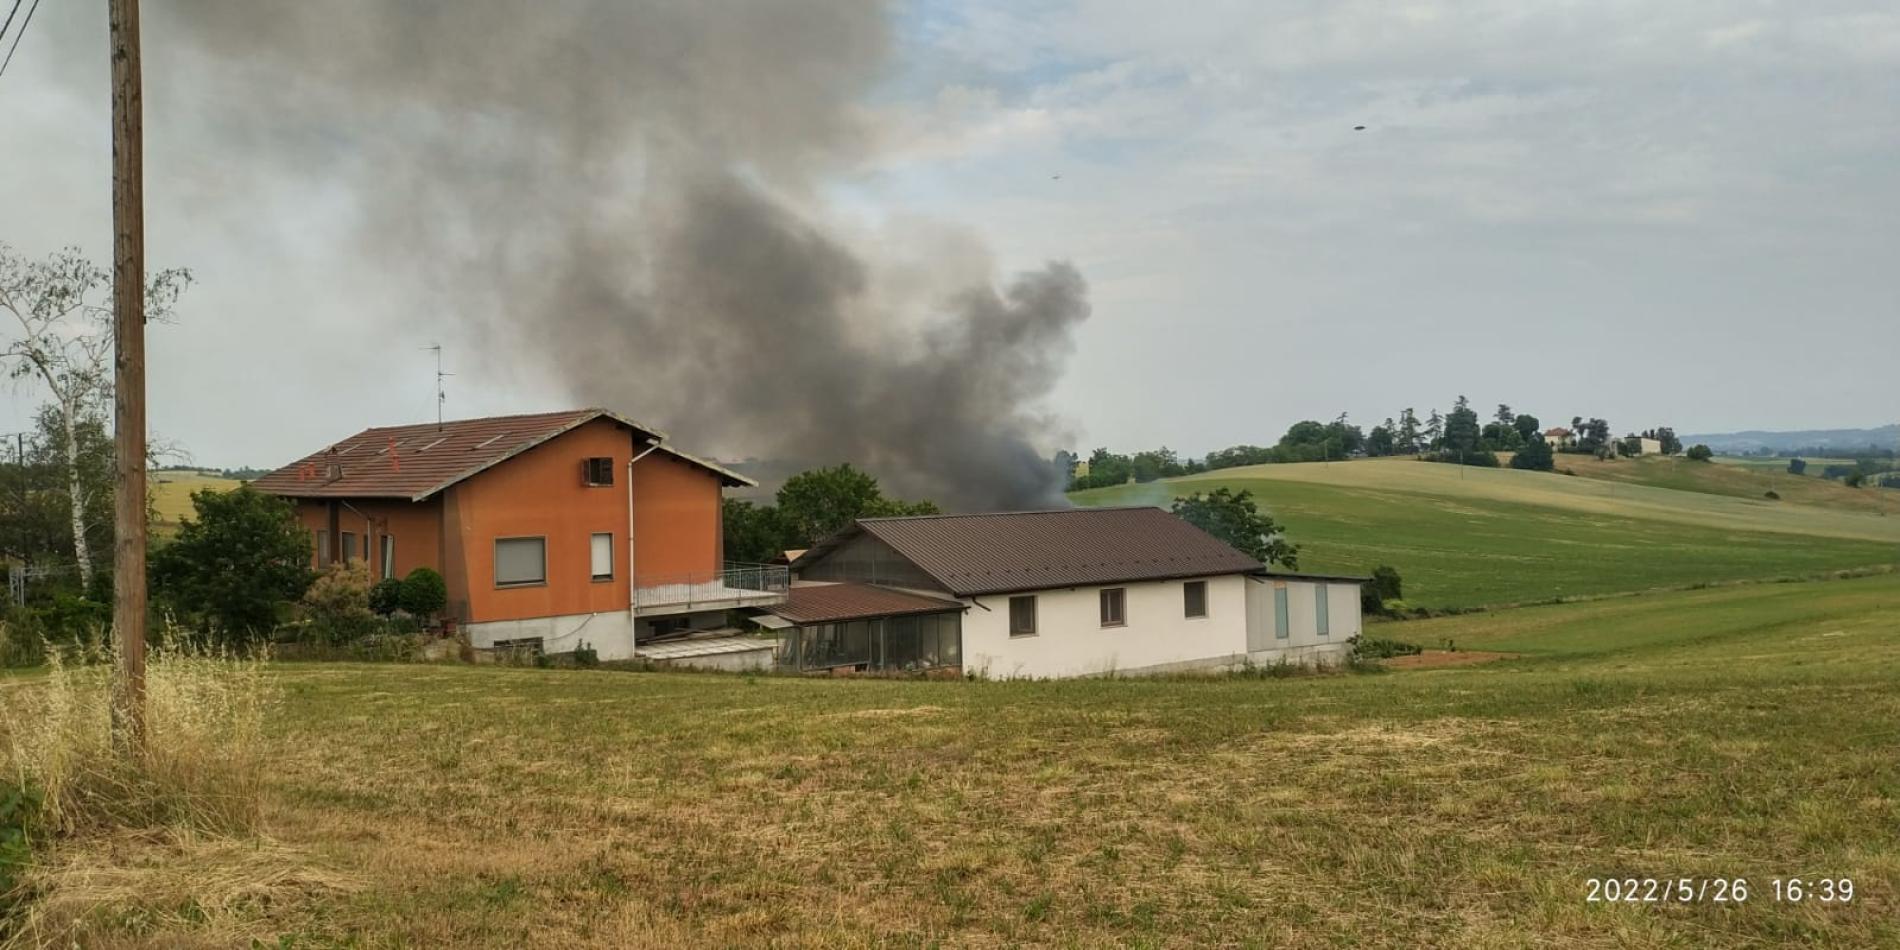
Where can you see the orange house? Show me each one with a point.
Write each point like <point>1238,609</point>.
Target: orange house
<point>562,528</point>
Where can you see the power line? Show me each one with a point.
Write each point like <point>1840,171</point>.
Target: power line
<point>16,37</point>
<point>4,27</point>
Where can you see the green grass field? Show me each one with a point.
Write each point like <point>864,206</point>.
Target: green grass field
<point>1743,481</point>
<point>1469,537</point>
<point>1742,732</point>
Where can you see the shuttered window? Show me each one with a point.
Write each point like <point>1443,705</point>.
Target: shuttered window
<point>602,555</point>
<point>521,561</point>
<point>1114,606</point>
<point>1320,610</point>
<point>1281,627</point>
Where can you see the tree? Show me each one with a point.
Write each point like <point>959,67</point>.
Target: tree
<point>1527,427</point>
<point>1670,444</point>
<point>1462,434</point>
<point>385,596</point>
<point>754,533</point>
<point>1380,441</point>
<point>424,594</point>
<point>62,309</point>
<point>1797,467</point>
<point>1505,417</point>
<point>1156,464</point>
<point>239,559</point>
<point>1408,435</point>
<point>812,506</point>
<point>1700,453</point>
<point>1235,519</point>
<point>1434,430</point>
<point>1535,456</point>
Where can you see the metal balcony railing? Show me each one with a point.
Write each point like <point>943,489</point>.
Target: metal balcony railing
<point>736,585</point>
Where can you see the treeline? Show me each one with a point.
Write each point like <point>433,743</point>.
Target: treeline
<point>810,507</point>
<point>1459,437</point>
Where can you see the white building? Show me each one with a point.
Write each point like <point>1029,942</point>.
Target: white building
<point>1076,592</point>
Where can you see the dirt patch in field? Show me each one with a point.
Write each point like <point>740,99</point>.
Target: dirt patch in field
<point>1436,659</point>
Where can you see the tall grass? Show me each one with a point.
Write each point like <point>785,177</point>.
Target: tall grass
<point>202,765</point>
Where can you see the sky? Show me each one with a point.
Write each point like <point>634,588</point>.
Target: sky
<point>1676,214</point>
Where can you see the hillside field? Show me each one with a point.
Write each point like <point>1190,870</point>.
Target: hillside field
<point>171,494</point>
<point>1742,732</point>
<point>1470,537</point>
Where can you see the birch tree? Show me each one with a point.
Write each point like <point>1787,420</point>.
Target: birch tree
<point>57,318</point>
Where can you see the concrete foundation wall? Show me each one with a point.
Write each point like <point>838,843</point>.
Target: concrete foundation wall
<point>609,633</point>
<point>749,661</point>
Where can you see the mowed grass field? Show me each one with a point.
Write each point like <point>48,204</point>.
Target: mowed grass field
<point>1752,482</point>
<point>1464,537</point>
<point>171,494</point>
<point>1746,732</point>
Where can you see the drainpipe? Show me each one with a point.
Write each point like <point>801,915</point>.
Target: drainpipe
<point>633,584</point>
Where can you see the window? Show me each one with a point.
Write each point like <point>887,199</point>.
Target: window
<point>598,471</point>
<point>323,547</point>
<point>603,556</point>
<point>389,555</point>
<point>1321,608</point>
<point>1281,628</point>
<point>1194,598</point>
<point>521,561</point>
<point>349,547</point>
<point>1022,616</point>
<point>1114,606</point>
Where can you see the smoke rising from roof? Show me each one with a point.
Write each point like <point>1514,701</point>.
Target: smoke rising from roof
<point>629,197</point>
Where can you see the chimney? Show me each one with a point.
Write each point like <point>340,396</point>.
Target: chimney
<point>332,466</point>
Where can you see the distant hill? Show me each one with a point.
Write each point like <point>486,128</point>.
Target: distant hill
<point>1741,443</point>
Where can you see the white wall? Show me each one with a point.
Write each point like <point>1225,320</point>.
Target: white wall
<point>1071,641</point>
<point>1303,643</point>
<point>610,633</point>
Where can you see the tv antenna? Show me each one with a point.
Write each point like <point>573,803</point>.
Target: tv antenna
<point>440,396</point>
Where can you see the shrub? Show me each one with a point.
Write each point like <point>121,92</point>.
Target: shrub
<point>241,559</point>
<point>385,596</point>
<point>1797,467</point>
<point>424,593</point>
<point>1477,459</point>
<point>1535,457</point>
<point>19,805</point>
<point>1771,495</point>
<point>1379,648</point>
<point>1700,453</point>
<point>586,656</point>
<point>337,605</point>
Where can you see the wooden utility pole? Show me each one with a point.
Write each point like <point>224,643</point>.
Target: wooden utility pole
<point>128,325</point>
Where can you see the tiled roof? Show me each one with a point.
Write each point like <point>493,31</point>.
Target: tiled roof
<point>828,603</point>
<point>416,461</point>
<point>1031,550</point>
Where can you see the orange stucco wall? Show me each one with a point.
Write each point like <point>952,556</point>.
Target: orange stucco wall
<point>541,493</point>
<point>675,521</point>
<point>416,526</point>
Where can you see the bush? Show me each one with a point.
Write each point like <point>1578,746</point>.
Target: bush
<point>1376,595</point>
<point>1379,648</point>
<point>1478,459</point>
<point>1535,457</point>
<point>1797,467</point>
<point>1700,453</point>
<point>586,656</point>
<point>385,596</point>
<point>337,605</point>
<point>424,593</point>
<point>19,805</point>
<point>1771,495</point>
<point>241,559</point>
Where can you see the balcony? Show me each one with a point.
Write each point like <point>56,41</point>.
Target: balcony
<point>739,585</point>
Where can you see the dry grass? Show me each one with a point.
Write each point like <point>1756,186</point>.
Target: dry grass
<point>193,798</point>
<point>1746,731</point>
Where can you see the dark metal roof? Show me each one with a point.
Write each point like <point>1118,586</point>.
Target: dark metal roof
<point>829,603</point>
<point>1007,551</point>
<point>416,461</point>
<point>1303,576</point>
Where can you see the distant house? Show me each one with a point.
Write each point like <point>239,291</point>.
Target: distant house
<point>550,529</point>
<point>1645,446</point>
<point>1560,437</point>
<point>1076,592</point>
